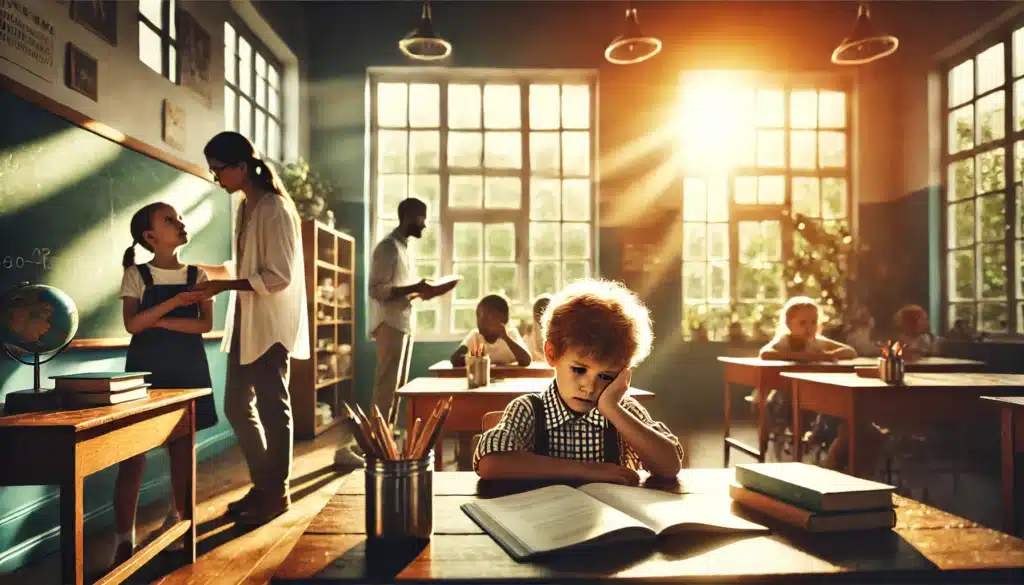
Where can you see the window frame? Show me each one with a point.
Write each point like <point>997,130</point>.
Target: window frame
<point>257,47</point>
<point>169,9</point>
<point>1003,34</point>
<point>446,217</point>
<point>761,212</point>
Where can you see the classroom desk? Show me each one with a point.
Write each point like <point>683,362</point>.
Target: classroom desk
<point>63,447</point>
<point>470,406</point>
<point>536,369</point>
<point>1012,415</point>
<point>927,545</point>
<point>767,375</point>
<point>921,399</point>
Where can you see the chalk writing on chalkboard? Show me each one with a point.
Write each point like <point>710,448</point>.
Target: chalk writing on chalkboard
<point>38,257</point>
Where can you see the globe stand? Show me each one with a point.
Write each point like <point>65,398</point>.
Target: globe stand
<point>37,398</point>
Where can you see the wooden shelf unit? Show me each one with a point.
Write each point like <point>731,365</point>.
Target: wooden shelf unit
<point>329,255</point>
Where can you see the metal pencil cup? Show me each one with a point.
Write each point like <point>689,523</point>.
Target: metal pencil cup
<point>478,370</point>
<point>400,498</point>
<point>891,369</point>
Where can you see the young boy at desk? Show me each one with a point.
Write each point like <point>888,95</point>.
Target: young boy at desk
<point>584,427</point>
<point>493,336</point>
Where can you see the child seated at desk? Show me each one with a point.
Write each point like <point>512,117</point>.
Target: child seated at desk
<point>493,336</point>
<point>535,339</point>
<point>914,332</point>
<point>584,427</point>
<point>798,337</point>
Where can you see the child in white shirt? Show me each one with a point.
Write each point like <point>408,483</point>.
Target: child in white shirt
<point>493,336</point>
<point>535,339</point>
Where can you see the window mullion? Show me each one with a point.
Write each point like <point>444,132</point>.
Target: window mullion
<point>1009,195</point>
<point>446,236</point>
<point>523,243</point>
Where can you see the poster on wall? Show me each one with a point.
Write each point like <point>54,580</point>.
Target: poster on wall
<point>194,53</point>
<point>174,125</point>
<point>99,16</point>
<point>27,39</point>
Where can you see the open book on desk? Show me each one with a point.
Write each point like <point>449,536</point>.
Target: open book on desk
<point>559,517</point>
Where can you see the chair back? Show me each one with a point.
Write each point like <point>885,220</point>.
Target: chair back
<point>488,422</point>
<point>404,364</point>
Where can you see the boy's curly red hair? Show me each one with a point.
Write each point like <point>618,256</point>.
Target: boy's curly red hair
<point>602,320</point>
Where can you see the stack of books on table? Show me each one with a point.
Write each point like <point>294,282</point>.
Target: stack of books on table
<point>87,389</point>
<point>813,498</point>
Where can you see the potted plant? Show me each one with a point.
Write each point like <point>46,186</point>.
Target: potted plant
<point>309,190</point>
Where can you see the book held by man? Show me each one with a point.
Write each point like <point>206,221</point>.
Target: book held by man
<point>559,517</point>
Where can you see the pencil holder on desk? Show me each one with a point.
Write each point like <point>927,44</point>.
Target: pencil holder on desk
<point>400,498</point>
<point>478,370</point>
<point>891,369</point>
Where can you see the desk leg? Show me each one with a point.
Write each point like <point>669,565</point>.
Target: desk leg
<point>797,431</point>
<point>728,422</point>
<point>439,452</point>
<point>185,448</point>
<point>1009,470</point>
<point>72,567</point>
<point>762,415</point>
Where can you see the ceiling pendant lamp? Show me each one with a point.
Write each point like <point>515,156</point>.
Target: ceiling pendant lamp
<point>865,44</point>
<point>632,46</point>
<point>422,44</point>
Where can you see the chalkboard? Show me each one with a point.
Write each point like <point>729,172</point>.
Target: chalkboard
<point>67,195</point>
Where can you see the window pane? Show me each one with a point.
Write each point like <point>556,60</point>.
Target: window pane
<point>718,199</point>
<point>1018,52</point>
<point>961,222</point>
<point>576,106</point>
<point>544,278</point>
<point>427,188</point>
<point>464,106</point>
<point>274,140</point>
<point>545,156</point>
<point>149,48</point>
<point>745,190</point>
<point>695,242</point>
<point>574,270</point>
<point>544,107</point>
<point>695,199</point>
<point>718,241</point>
<point>463,317</point>
<point>229,109</point>
<point>718,281</point>
<point>465,191</point>
<point>500,242</point>
<point>427,319</point>
<point>260,133</point>
<point>426,247</point>
<point>803,109</point>
<point>392,151</point>
<point>173,24</point>
<point>424,105</point>
<point>151,9</point>
<point>771,107</point>
<point>991,117</point>
<point>992,222</point>
<point>501,278</point>
<point>832,109</point>
<point>274,103</point>
<point>230,59</point>
<point>467,241</point>
<point>961,129</point>
<point>392,104</point>
<point>993,317</point>
<point>576,199</point>
<point>502,192</point>
<point>771,190</point>
<point>261,65</point>
<point>245,118</point>
<point>993,270</point>
<point>465,150</point>
<point>544,240</point>
<point>832,149</point>
<point>576,154</point>
<point>273,78</point>
<point>961,83</point>
<point>501,106</point>
<point>960,179</point>
<point>695,281</point>
<point>833,198</point>
<point>261,92</point>
<point>470,288</point>
<point>425,151</point>
<point>990,69</point>
<point>806,197</point>
<point>172,63</point>
<point>545,199</point>
<point>391,190</point>
<point>575,240</point>
<point>771,148</point>
<point>991,171</point>
<point>503,150</point>
<point>962,312</point>
<point>802,149</point>
<point>244,66</point>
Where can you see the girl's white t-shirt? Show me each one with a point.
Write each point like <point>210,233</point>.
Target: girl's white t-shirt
<point>132,285</point>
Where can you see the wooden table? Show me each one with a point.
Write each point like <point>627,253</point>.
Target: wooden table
<point>537,369</point>
<point>922,398</point>
<point>1012,433</point>
<point>469,406</point>
<point>927,545</point>
<point>63,447</point>
<point>766,375</point>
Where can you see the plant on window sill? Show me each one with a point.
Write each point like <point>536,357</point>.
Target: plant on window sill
<point>309,190</point>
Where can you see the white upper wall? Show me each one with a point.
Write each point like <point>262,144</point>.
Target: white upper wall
<point>131,95</point>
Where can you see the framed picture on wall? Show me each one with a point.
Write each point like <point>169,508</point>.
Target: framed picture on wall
<point>82,72</point>
<point>99,16</point>
<point>194,55</point>
<point>174,125</point>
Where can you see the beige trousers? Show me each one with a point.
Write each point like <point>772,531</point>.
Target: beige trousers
<point>389,356</point>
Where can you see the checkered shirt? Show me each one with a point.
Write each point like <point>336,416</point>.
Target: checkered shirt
<point>570,435</point>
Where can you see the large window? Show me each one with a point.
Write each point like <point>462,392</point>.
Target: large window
<point>983,198</point>
<point>505,167</point>
<point>158,47</point>
<point>752,151</point>
<point>252,92</point>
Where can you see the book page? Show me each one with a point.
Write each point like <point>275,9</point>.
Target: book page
<point>661,511</point>
<point>555,517</point>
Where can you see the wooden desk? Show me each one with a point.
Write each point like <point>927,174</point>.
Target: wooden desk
<point>766,375</point>
<point>927,545</point>
<point>63,447</point>
<point>1012,433</point>
<point>922,398</point>
<point>469,406</point>
<point>536,369</point>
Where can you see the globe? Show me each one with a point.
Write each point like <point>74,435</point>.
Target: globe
<point>37,319</point>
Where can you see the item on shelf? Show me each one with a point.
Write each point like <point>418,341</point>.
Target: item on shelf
<point>344,359</point>
<point>321,372</point>
<point>332,366</point>
<point>324,413</point>
<point>325,292</point>
<point>341,294</point>
<point>329,218</point>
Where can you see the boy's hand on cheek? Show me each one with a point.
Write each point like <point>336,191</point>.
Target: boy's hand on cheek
<point>611,473</point>
<point>613,392</point>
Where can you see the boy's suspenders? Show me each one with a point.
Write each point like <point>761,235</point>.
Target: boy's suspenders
<point>540,433</point>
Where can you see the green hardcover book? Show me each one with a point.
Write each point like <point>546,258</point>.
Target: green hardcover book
<point>814,488</point>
